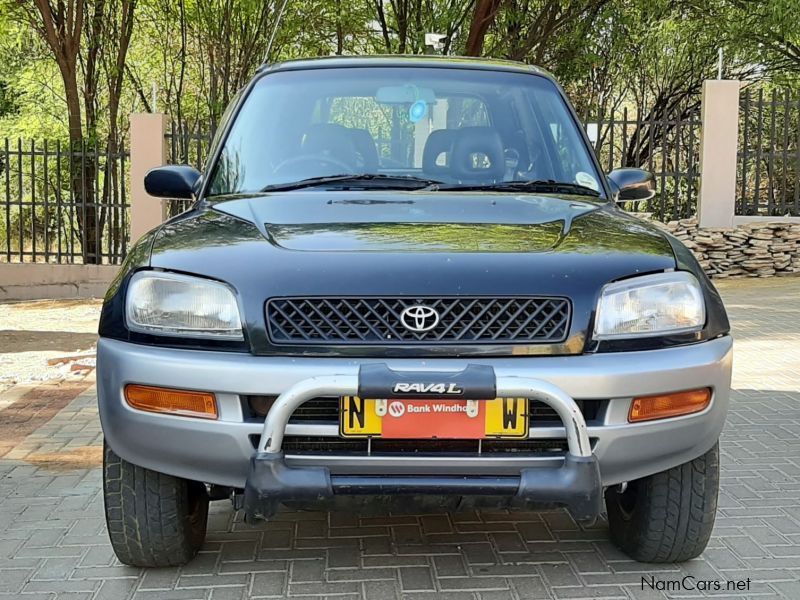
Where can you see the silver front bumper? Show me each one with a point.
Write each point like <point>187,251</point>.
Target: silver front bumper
<point>220,451</point>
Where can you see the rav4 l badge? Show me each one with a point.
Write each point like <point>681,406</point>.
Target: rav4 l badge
<point>428,388</point>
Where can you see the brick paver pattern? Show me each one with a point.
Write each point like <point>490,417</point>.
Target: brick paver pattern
<point>53,542</point>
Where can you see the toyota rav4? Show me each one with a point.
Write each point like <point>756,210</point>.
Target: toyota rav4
<point>407,281</point>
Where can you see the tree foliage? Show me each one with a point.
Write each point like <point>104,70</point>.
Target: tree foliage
<point>81,65</point>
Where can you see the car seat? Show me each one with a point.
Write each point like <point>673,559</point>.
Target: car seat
<point>331,140</point>
<point>439,142</point>
<point>477,155</point>
<point>366,149</point>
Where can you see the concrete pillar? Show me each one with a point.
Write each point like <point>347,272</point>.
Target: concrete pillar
<point>148,150</point>
<point>719,141</point>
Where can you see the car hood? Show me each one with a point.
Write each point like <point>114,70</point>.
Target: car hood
<point>412,243</point>
<point>442,222</point>
<point>412,222</point>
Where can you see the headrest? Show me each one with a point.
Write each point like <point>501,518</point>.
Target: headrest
<point>330,139</point>
<point>440,141</point>
<point>365,147</point>
<point>477,154</point>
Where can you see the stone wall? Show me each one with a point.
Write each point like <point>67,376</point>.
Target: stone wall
<point>752,250</point>
<point>33,281</point>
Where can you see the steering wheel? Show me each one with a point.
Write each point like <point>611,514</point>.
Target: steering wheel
<point>315,164</point>
<point>391,163</point>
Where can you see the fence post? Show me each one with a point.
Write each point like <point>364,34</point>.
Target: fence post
<point>719,142</point>
<point>148,150</point>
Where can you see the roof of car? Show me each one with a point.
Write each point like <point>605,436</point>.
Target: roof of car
<point>404,60</point>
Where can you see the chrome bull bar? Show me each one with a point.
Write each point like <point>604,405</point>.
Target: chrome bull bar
<point>575,484</point>
<point>348,385</point>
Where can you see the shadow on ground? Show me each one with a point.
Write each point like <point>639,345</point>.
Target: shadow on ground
<point>43,341</point>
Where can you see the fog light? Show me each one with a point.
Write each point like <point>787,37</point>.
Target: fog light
<point>176,402</point>
<point>647,408</point>
<point>260,405</point>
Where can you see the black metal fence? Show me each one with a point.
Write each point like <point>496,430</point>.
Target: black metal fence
<point>70,205</point>
<point>62,203</point>
<point>668,148</point>
<point>768,178</point>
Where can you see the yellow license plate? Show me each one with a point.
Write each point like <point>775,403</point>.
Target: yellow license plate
<point>426,419</point>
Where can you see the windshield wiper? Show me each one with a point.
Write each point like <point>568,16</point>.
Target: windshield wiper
<point>373,181</point>
<point>544,186</point>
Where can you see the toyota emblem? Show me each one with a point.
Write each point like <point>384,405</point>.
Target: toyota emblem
<point>419,318</point>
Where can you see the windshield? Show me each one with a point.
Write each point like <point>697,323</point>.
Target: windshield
<point>381,125</point>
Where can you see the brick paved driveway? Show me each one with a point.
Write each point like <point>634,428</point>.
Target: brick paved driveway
<point>53,543</point>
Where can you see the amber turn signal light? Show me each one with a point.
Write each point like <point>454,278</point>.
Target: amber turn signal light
<point>184,403</point>
<point>648,408</point>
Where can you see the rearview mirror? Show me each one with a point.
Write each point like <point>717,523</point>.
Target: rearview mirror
<point>633,184</point>
<point>171,181</point>
<point>404,94</point>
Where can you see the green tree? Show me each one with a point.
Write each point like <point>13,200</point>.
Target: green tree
<point>767,30</point>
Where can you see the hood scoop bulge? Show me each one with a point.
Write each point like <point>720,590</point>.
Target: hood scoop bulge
<point>412,221</point>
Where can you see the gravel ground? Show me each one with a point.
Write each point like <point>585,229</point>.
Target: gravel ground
<point>33,332</point>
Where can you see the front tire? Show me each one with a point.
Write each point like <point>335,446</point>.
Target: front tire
<point>153,519</point>
<point>667,517</point>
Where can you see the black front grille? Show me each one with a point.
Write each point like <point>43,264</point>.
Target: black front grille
<point>307,444</point>
<point>326,410</point>
<point>317,410</point>
<point>461,320</point>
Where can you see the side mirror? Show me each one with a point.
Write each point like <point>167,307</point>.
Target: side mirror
<point>633,184</point>
<point>171,181</point>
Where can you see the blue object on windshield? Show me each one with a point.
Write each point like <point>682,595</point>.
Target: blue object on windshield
<point>417,111</point>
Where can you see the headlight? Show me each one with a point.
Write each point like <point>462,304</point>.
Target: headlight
<point>650,305</point>
<point>179,305</point>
